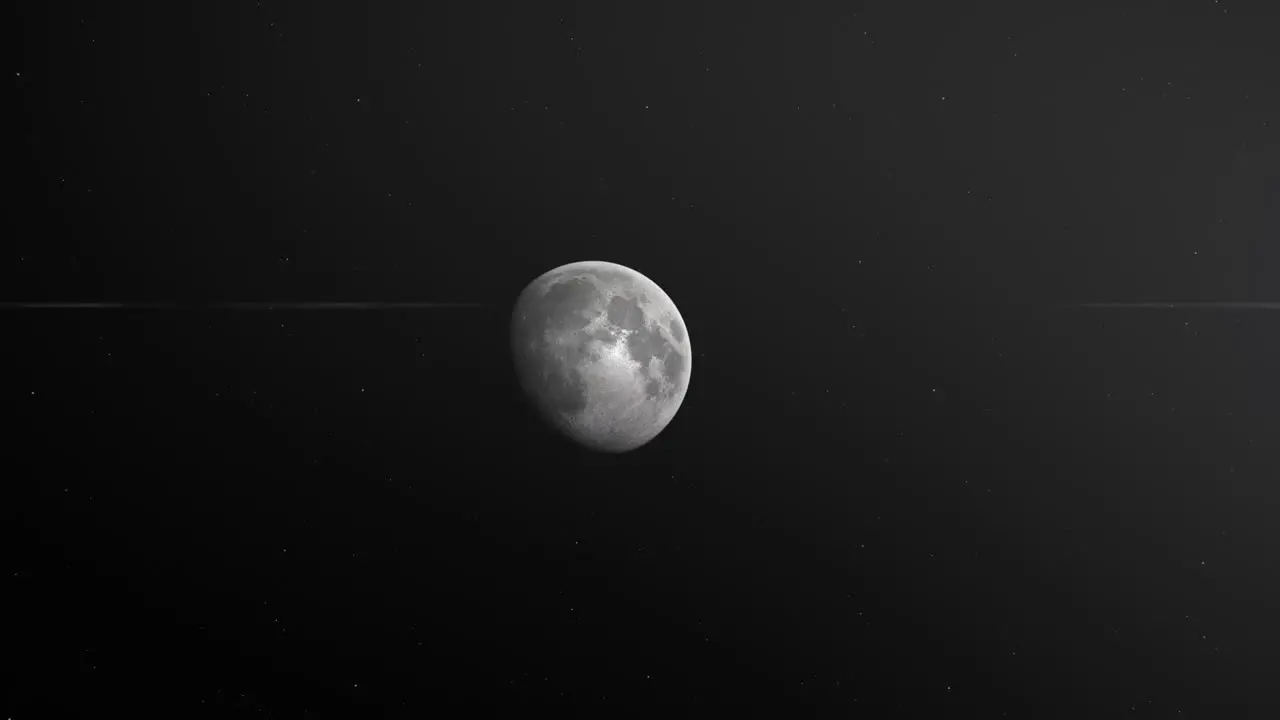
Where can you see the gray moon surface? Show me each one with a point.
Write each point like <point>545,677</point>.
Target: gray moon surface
<point>602,353</point>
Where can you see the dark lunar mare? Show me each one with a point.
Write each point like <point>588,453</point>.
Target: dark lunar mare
<point>645,342</point>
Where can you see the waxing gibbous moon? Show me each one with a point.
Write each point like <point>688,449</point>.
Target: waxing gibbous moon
<point>602,354</point>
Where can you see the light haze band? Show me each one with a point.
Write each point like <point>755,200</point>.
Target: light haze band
<point>59,305</point>
<point>234,306</point>
<point>1182,306</point>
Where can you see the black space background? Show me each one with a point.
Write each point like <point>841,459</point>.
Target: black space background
<point>904,483</point>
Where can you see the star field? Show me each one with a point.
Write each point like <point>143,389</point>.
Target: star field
<point>984,421</point>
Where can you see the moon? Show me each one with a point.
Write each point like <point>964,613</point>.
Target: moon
<point>602,354</point>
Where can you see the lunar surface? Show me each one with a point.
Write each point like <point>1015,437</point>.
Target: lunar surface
<point>602,353</point>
